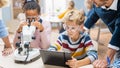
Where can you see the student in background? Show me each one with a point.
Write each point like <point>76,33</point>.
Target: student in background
<point>70,6</point>
<point>88,4</point>
<point>4,34</point>
<point>75,42</point>
<point>32,11</point>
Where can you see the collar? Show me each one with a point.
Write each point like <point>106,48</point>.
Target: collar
<point>112,7</point>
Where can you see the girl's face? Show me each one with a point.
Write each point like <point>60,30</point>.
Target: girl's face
<point>73,30</point>
<point>32,15</point>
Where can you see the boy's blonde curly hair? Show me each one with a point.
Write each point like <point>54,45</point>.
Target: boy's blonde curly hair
<point>75,16</point>
<point>3,3</point>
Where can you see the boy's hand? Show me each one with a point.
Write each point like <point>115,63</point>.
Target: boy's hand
<point>72,63</point>
<point>20,27</point>
<point>38,25</point>
<point>7,51</point>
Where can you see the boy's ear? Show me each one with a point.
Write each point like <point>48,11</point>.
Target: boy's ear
<point>81,27</point>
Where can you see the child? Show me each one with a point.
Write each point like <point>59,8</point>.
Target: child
<point>32,11</point>
<point>75,42</point>
<point>46,24</point>
<point>4,34</point>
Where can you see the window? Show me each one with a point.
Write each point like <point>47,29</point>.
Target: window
<point>54,7</point>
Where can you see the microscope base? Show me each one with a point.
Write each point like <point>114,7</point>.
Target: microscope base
<point>33,54</point>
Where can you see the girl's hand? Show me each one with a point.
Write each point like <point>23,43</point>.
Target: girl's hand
<point>38,25</point>
<point>20,26</point>
<point>72,63</point>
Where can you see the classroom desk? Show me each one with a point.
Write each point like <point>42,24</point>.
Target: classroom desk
<point>8,62</point>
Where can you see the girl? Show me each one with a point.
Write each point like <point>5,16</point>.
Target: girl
<point>32,11</point>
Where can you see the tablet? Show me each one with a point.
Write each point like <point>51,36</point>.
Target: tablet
<point>54,57</point>
<point>57,58</point>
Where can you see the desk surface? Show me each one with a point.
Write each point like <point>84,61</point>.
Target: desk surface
<point>8,62</point>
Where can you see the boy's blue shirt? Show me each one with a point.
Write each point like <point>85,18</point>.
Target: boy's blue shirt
<point>110,17</point>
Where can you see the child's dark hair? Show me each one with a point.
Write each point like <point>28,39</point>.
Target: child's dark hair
<point>31,5</point>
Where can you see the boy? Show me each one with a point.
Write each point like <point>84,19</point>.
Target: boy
<point>75,42</point>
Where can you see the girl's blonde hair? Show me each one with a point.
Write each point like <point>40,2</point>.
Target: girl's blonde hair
<point>3,3</point>
<point>75,16</point>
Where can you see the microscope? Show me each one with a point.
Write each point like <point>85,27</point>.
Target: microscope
<point>23,52</point>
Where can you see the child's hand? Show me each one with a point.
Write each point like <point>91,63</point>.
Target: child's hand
<point>72,63</point>
<point>38,25</point>
<point>7,51</point>
<point>20,27</point>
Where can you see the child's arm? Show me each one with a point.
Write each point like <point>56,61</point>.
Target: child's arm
<point>57,46</point>
<point>20,26</point>
<point>45,43</point>
<point>38,25</point>
<point>74,63</point>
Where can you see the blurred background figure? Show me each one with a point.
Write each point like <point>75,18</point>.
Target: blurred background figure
<point>88,5</point>
<point>71,6</point>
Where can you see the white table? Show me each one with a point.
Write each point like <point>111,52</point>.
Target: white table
<point>8,62</point>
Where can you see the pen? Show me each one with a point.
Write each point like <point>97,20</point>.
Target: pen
<point>108,62</point>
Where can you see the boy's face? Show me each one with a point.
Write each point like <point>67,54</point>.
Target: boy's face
<point>72,29</point>
<point>32,14</point>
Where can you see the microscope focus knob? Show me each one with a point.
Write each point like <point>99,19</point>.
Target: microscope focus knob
<point>33,37</point>
<point>20,49</point>
<point>26,45</point>
<point>18,44</point>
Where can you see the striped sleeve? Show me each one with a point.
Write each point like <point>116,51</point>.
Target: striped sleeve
<point>58,43</point>
<point>90,50</point>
